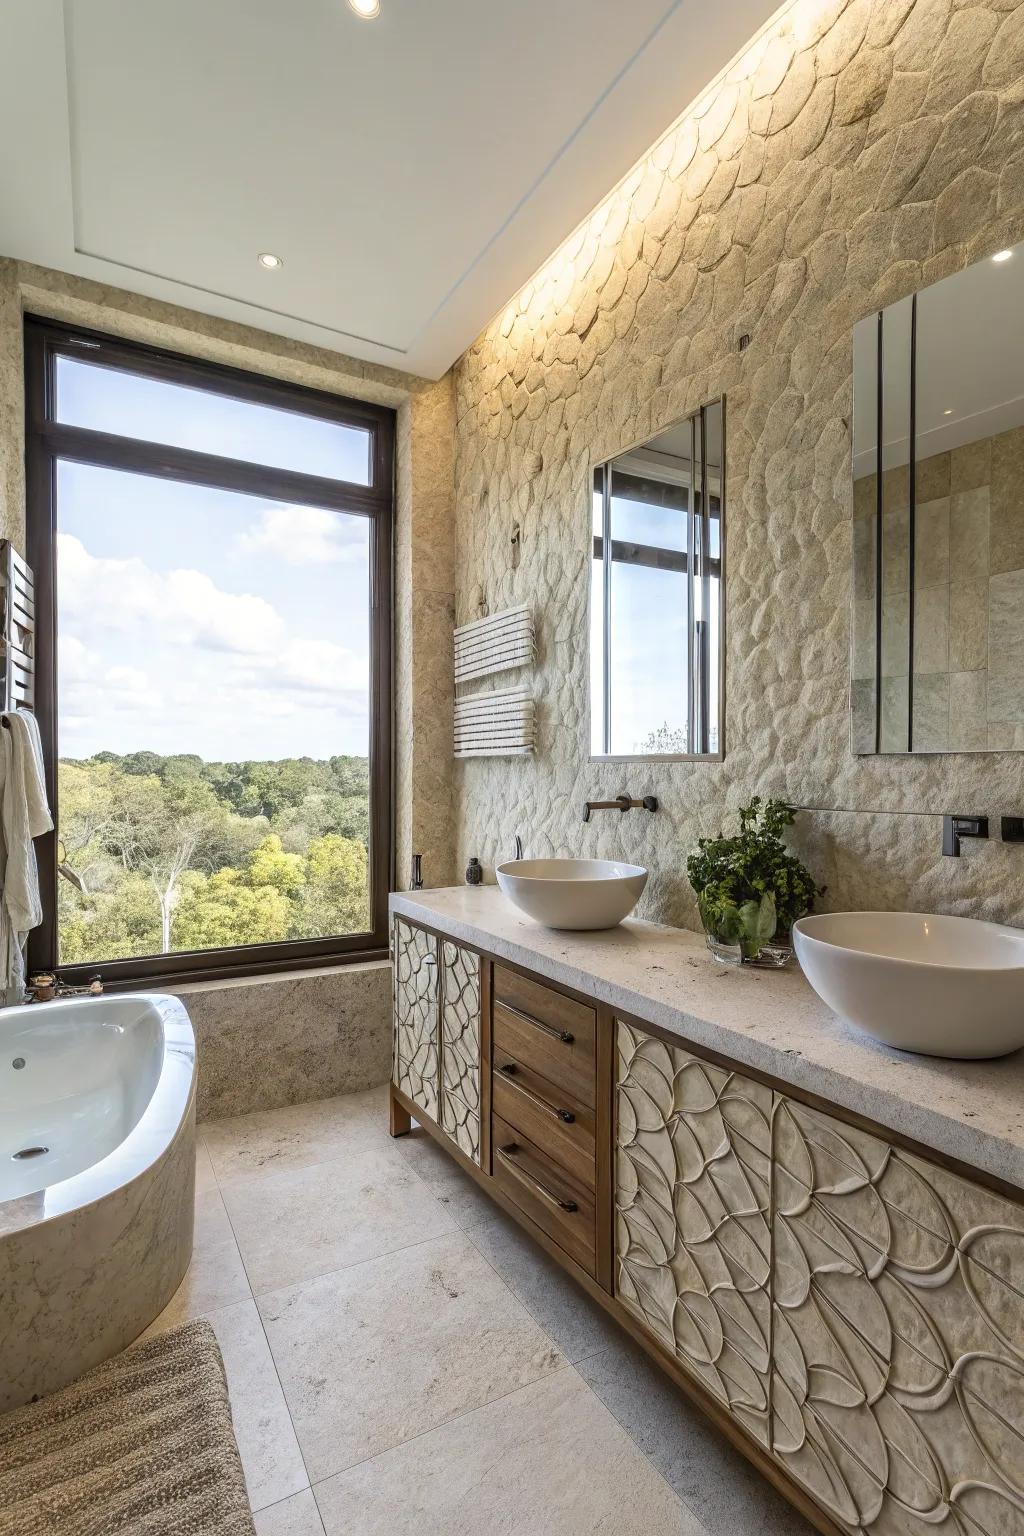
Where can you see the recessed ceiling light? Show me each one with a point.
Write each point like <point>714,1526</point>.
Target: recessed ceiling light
<point>365,8</point>
<point>947,413</point>
<point>269,260</point>
<point>1002,255</point>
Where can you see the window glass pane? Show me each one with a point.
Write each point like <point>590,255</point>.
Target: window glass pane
<point>648,510</point>
<point>649,623</point>
<point>213,718</point>
<point>108,400</point>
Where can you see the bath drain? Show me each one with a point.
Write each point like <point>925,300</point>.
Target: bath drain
<point>26,1152</point>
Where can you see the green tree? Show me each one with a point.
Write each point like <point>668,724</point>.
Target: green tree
<point>110,924</point>
<point>221,910</point>
<point>268,864</point>
<point>170,852</point>
<point>335,898</point>
<point>321,812</point>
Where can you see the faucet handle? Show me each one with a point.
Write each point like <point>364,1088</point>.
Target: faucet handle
<point>956,827</point>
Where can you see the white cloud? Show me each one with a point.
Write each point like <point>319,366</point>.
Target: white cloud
<point>307,536</point>
<point>323,667</point>
<point>187,606</point>
<point>89,687</point>
<point>172,663</point>
<point>75,661</point>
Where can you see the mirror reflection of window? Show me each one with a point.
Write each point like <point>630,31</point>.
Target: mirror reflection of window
<point>656,595</point>
<point>938,546</point>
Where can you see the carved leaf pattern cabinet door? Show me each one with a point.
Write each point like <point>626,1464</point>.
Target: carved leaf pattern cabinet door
<point>460,1047</point>
<point>898,1335</point>
<point>415,1043</point>
<point>692,1248</point>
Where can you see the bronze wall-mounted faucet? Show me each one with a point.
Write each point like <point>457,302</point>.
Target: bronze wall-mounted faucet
<point>620,803</point>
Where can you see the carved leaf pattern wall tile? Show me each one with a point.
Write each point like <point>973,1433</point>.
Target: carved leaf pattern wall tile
<point>692,1216</point>
<point>897,1334</point>
<point>460,1047</point>
<point>416,1063</point>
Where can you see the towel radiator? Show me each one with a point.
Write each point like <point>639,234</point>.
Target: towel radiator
<point>17,630</point>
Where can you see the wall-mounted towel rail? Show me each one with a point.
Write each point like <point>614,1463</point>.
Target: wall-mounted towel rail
<point>17,630</point>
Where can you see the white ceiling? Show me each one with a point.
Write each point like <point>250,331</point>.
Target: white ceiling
<point>413,171</point>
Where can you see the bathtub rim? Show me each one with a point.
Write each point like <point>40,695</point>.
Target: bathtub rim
<point>154,1133</point>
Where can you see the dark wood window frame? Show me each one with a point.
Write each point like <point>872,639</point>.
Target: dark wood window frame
<point>48,441</point>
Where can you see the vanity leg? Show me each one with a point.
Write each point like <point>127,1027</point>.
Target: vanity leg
<point>400,1118</point>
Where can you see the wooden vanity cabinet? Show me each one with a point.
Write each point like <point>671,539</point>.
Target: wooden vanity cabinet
<point>544,1124</point>
<point>846,1308</point>
<point>437,1033</point>
<point>460,1070</point>
<point>558,1203</point>
<point>898,1333</point>
<point>416,1053</point>
<point>693,1217</point>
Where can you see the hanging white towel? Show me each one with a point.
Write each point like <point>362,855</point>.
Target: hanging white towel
<point>24,815</point>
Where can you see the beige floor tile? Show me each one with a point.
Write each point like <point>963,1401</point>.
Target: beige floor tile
<point>215,1278</point>
<point>296,1137</point>
<point>372,1355</point>
<point>270,1453</point>
<point>455,1190</point>
<point>205,1176</point>
<point>303,1222</point>
<point>297,1516</point>
<point>211,1223</point>
<point>549,1458</point>
<point>374,1101</point>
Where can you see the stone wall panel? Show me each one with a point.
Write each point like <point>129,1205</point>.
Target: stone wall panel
<point>854,153</point>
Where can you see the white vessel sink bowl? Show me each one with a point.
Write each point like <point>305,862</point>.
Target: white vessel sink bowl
<point>573,893</point>
<point>944,986</point>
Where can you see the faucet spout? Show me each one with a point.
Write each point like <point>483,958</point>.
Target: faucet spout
<point>620,803</point>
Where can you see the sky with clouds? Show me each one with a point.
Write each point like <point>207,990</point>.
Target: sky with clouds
<point>196,620</point>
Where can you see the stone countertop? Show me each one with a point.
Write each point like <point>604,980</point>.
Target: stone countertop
<point>769,1020</point>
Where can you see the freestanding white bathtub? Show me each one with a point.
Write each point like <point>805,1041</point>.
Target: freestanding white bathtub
<point>97,1171</point>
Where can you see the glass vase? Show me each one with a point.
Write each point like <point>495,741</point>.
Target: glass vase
<point>772,956</point>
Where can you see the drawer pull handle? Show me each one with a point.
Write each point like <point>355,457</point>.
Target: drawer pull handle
<point>548,1029</point>
<point>507,1154</point>
<point>566,1116</point>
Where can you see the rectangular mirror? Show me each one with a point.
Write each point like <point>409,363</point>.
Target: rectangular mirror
<point>938,521</point>
<point>656,608</point>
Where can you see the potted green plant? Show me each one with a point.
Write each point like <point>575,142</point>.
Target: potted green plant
<point>749,889</point>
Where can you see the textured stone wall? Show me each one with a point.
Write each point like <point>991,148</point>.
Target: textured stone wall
<point>273,1040</point>
<point>424,621</point>
<point>860,149</point>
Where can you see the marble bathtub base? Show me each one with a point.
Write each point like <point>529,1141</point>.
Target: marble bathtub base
<point>80,1287</point>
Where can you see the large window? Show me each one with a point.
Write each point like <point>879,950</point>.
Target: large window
<point>212,554</point>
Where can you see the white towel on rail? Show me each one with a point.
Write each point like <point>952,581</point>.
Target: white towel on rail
<point>24,815</point>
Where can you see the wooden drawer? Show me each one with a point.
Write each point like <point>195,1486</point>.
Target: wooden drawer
<point>554,1121</point>
<point>553,1200</point>
<point>540,1028</point>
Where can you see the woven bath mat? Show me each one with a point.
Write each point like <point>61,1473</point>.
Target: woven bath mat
<point>140,1446</point>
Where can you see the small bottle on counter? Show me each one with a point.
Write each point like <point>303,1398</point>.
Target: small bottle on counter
<point>474,872</point>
